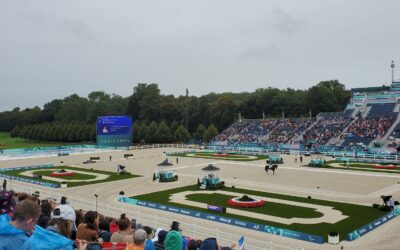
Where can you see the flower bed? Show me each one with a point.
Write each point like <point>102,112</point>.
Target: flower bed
<point>251,202</point>
<point>221,155</point>
<point>62,173</point>
<point>385,166</point>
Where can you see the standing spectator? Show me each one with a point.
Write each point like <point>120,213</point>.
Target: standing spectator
<point>301,159</point>
<point>5,184</point>
<point>110,157</point>
<point>124,233</point>
<point>177,160</point>
<point>14,233</point>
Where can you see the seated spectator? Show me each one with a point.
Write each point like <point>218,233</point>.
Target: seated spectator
<point>14,233</point>
<point>209,244</point>
<point>60,226</point>
<point>7,203</point>
<point>88,229</point>
<point>192,245</point>
<point>159,244</point>
<point>173,241</point>
<point>54,238</point>
<point>150,234</point>
<point>139,240</point>
<point>124,233</point>
<point>104,232</point>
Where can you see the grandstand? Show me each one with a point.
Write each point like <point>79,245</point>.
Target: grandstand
<point>371,118</point>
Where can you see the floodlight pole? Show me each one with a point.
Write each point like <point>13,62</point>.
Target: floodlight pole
<point>392,66</point>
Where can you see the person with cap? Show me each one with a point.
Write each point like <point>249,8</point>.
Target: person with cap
<point>14,233</point>
<point>66,212</point>
<point>139,240</point>
<point>159,244</point>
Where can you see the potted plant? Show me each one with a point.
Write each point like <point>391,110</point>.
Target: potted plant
<point>64,184</point>
<point>333,238</point>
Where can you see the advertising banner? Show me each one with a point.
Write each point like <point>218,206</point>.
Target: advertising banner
<point>244,224</point>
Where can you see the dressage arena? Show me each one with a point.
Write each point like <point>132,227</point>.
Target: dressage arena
<point>287,191</point>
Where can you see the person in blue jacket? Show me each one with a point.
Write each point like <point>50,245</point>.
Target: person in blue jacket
<point>14,233</point>
<point>47,240</point>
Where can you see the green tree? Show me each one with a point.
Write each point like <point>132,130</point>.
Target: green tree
<point>211,132</point>
<point>163,133</point>
<point>151,133</point>
<point>200,132</point>
<point>181,134</point>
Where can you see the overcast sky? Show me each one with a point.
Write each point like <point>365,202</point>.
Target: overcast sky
<point>51,49</point>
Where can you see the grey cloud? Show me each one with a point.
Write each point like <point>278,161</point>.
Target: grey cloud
<point>259,53</point>
<point>285,23</point>
<point>67,26</point>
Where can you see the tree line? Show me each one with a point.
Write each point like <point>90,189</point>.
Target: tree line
<point>153,111</point>
<point>83,132</point>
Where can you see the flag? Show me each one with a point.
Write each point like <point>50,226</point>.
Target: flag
<point>241,243</point>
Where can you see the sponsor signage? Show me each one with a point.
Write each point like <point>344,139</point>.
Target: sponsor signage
<point>371,226</point>
<point>244,224</point>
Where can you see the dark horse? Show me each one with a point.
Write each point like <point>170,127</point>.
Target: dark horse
<point>272,168</point>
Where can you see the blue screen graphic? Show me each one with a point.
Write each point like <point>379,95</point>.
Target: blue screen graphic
<point>115,131</point>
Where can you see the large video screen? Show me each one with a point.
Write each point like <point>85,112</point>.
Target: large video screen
<point>114,131</point>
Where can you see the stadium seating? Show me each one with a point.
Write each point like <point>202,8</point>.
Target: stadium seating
<point>328,126</point>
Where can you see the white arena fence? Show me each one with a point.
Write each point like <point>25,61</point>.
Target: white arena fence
<point>261,151</point>
<point>193,230</point>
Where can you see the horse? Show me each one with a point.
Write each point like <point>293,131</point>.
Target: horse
<point>272,168</point>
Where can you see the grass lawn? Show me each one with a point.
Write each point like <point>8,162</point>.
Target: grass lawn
<point>358,215</point>
<point>112,175</point>
<point>6,142</point>
<point>270,208</point>
<point>233,157</point>
<point>361,166</point>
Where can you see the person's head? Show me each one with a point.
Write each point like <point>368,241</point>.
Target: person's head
<point>175,226</point>
<point>133,224</point>
<point>22,196</point>
<point>209,244</point>
<point>161,235</point>
<point>173,240</point>
<point>123,223</point>
<point>63,200</point>
<point>78,217</point>
<point>104,225</point>
<point>26,214</point>
<point>192,245</point>
<point>63,226</point>
<point>91,219</point>
<point>139,237</point>
<point>45,207</point>
<point>149,231</point>
<point>43,221</point>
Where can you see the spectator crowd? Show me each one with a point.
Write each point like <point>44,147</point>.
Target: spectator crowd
<point>28,222</point>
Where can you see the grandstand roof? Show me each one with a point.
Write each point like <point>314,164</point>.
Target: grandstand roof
<point>371,89</point>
